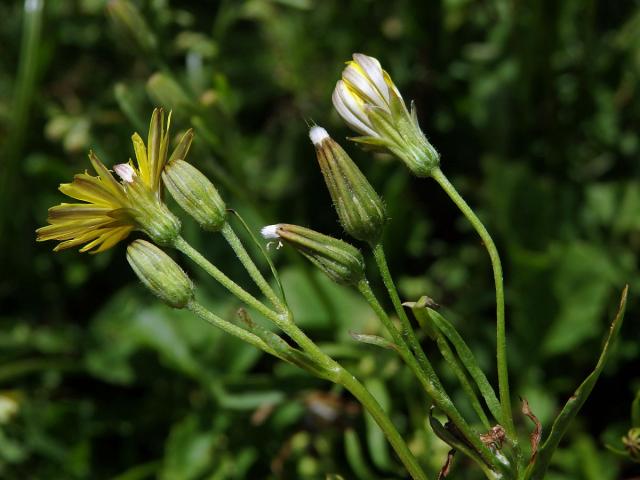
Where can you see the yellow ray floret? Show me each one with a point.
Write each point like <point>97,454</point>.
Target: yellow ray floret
<point>100,223</point>
<point>113,208</point>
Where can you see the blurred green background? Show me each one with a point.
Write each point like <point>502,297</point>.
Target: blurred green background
<point>533,106</point>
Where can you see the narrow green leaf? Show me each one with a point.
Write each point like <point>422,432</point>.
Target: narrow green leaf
<point>454,442</point>
<point>575,402</point>
<point>421,314</point>
<point>466,357</point>
<point>458,370</point>
<point>279,345</point>
<point>469,361</point>
<point>282,349</point>
<point>376,340</point>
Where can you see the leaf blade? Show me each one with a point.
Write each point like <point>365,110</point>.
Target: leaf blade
<point>575,402</point>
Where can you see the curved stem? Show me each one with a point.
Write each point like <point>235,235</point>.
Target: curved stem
<point>283,320</point>
<point>229,327</point>
<point>428,379</point>
<point>408,334</point>
<point>332,370</point>
<point>236,244</point>
<point>382,419</point>
<point>501,340</point>
<point>183,246</point>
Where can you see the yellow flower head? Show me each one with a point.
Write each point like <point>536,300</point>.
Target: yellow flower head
<point>368,100</point>
<point>113,208</point>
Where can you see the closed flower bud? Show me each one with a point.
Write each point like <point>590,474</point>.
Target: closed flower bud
<point>343,263</point>
<point>360,209</point>
<point>368,100</point>
<point>160,273</point>
<point>195,194</point>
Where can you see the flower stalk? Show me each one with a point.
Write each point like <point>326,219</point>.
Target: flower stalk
<point>429,380</point>
<point>236,244</point>
<point>370,103</point>
<point>324,365</point>
<point>496,264</point>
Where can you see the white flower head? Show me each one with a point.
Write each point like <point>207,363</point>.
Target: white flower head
<point>369,102</point>
<point>364,84</point>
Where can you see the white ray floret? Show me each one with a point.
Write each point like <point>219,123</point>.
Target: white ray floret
<point>125,172</point>
<point>317,135</point>
<point>351,109</point>
<point>270,232</point>
<point>373,70</point>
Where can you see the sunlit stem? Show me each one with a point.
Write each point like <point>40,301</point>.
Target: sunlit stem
<point>501,341</point>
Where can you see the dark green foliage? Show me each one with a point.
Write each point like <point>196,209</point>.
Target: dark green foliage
<point>533,107</point>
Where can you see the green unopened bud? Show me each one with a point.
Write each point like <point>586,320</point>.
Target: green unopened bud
<point>160,273</point>
<point>343,263</point>
<point>360,209</point>
<point>368,100</point>
<point>130,25</point>
<point>195,194</point>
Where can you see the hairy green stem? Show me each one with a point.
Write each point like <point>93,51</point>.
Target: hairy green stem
<point>229,327</point>
<point>183,246</point>
<point>382,419</point>
<point>236,244</point>
<point>501,340</point>
<point>283,320</point>
<point>408,334</point>
<point>428,379</point>
<point>331,369</point>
